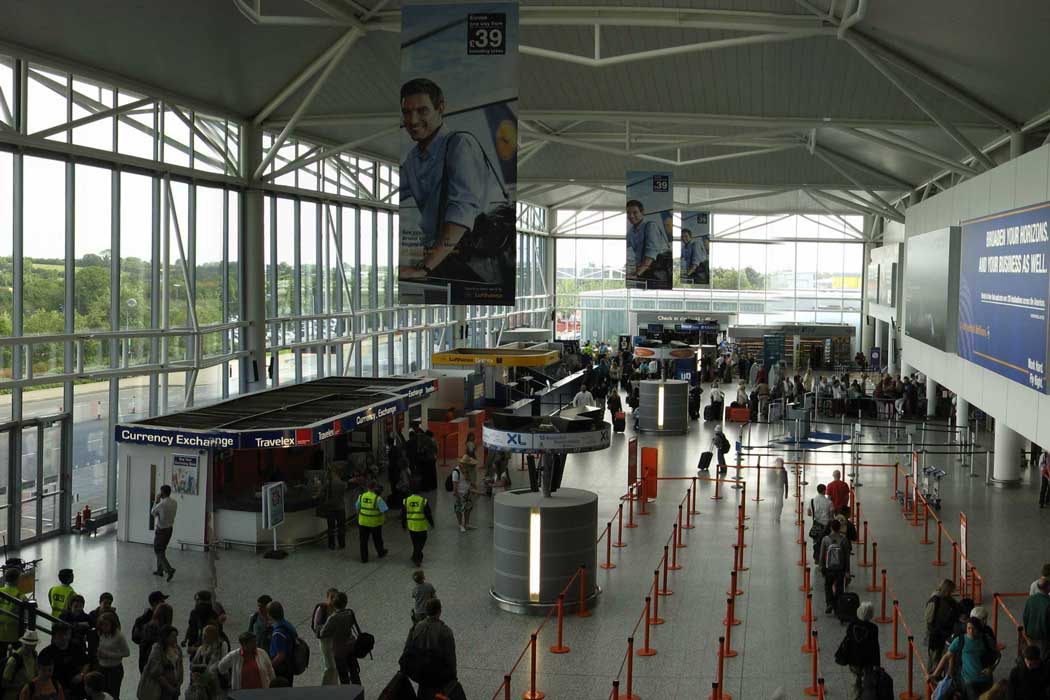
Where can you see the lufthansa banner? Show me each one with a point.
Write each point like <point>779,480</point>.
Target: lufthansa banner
<point>1003,290</point>
<point>650,223</point>
<point>459,153</point>
<point>696,248</point>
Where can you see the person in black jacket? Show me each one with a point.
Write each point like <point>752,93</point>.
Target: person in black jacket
<point>1030,678</point>
<point>861,647</point>
<point>138,629</point>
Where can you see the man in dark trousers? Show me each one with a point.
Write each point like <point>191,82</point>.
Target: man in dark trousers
<point>371,514</point>
<point>417,518</point>
<point>834,562</point>
<point>164,512</point>
<point>342,628</point>
<point>433,639</point>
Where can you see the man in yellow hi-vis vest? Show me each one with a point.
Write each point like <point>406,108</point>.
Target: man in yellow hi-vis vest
<point>8,624</point>
<point>371,509</point>
<point>59,595</point>
<point>417,518</point>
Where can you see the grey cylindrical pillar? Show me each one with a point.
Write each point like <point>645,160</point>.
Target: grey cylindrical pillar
<point>962,417</point>
<point>253,260</point>
<point>931,397</point>
<point>1007,461</point>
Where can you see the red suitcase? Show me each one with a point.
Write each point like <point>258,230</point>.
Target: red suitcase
<point>738,414</point>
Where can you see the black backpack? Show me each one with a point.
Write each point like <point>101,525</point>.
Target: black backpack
<point>364,644</point>
<point>448,481</point>
<point>876,685</point>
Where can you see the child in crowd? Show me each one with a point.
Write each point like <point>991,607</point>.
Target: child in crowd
<point>421,593</point>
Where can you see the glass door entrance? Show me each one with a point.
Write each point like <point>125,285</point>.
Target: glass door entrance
<point>33,469</point>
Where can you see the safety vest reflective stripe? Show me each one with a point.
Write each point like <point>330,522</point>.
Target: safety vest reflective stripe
<point>417,519</point>
<point>59,597</point>
<point>369,514</point>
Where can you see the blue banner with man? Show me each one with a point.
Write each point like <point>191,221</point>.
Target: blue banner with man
<point>650,224</point>
<point>696,248</point>
<point>1003,291</point>
<point>459,153</point>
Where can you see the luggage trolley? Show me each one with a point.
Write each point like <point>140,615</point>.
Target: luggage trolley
<point>931,485</point>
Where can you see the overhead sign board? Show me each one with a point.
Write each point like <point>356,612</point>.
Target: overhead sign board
<point>537,441</point>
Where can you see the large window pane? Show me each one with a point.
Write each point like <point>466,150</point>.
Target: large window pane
<point>208,283</point>
<point>44,281</point>
<point>136,256</point>
<point>92,229</point>
<point>90,445</point>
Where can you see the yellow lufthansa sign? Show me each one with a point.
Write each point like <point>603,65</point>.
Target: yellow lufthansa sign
<point>495,358</point>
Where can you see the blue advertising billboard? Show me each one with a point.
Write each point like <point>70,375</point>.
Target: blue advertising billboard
<point>1003,290</point>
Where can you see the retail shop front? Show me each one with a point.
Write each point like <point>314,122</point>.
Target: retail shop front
<point>218,458</point>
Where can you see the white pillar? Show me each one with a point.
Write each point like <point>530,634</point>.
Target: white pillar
<point>962,418</point>
<point>253,297</point>
<point>931,397</point>
<point>1007,458</point>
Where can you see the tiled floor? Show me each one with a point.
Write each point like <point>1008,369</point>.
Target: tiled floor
<point>1007,541</point>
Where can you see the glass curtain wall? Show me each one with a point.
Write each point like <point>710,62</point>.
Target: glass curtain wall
<point>764,269</point>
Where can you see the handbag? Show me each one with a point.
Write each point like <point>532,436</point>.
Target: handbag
<point>943,691</point>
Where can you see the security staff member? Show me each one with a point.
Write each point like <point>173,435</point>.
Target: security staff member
<point>8,624</point>
<point>649,246</point>
<point>417,517</point>
<point>59,595</point>
<point>371,509</point>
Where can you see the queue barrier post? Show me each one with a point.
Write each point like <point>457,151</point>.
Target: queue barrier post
<point>730,620</point>
<point>883,618</point>
<point>812,691</point>
<point>864,552</point>
<point>910,693</point>
<point>995,618</point>
<point>656,619</point>
<point>926,524</point>
<point>758,485</point>
<point>630,694</point>
<point>583,611</point>
<point>647,650</point>
<point>976,586</point>
<point>559,647</point>
<point>807,609</point>
<point>688,517</point>
<point>733,590</point>
<point>803,559</point>
<point>643,498</point>
<point>874,587</point>
<point>895,653</point>
<point>675,534</point>
<point>718,686</point>
<point>730,652</point>
<point>801,530</point>
<point>608,548</point>
<point>619,527</point>
<point>955,568</point>
<point>532,693</point>
<point>896,481</point>
<point>718,490</point>
<point>915,506</point>
<point>679,544</point>
<point>665,591</point>
<point>938,561</point>
<point>808,647</point>
<point>805,587</point>
<point>630,510</point>
<point>820,689</point>
<point>692,507</point>
<point>506,687</point>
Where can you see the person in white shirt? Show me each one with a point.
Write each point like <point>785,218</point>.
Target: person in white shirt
<point>654,369</point>
<point>164,513</point>
<point>741,394</point>
<point>821,510</point>
<point>583,398</point>
<point>257,675</point>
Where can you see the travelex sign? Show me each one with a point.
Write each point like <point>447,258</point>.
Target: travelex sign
<point>266,439</point>
<point>542,441</point>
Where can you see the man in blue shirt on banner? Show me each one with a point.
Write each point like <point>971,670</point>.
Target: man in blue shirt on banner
<point>453,182</point>
<point>649,245</point>
<point>694,258</point>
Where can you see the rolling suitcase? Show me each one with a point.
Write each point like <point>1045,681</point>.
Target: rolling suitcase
<point>619,421</point>
<point>846,607</point>
<point>705,461</point>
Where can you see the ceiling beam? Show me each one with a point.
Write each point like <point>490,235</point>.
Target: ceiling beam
<point>891,140</point>
<point>598,61</point>
<point>870,170</point>
<point>682,182</point>
<point>329,152</point>
<point>849,204</point>
<point>891,211</point>
<point>945,125</point>
<point>620,117</point>
<point>740,197</point>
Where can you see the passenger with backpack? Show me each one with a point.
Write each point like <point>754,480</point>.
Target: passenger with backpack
<point>941,613</point>
<point>859,649</point>
<point>970,660</point>
<point>322,611</point>
<point>834,562</point>
<point>20,665</point>
<point>429,656</point>
<point>284,644</point>
<point>343,632</point>
<point>721,446</point>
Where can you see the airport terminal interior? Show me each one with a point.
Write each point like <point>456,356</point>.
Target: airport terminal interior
<point>582,277</point>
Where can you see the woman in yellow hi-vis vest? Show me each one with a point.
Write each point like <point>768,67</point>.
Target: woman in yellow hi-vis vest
<point>417,518</point>
<point>371,509</point>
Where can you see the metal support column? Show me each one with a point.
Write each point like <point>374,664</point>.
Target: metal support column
<point>253,291</point>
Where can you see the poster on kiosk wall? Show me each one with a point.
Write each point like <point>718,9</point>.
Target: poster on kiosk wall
<point>650,224</point>
<point>459,153</point>
<point>1003,293</point>
<point>696,248</point>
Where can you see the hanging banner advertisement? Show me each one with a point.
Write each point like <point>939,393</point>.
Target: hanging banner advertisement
<point>650,212</point>
<point>696,247</point>
<point>1003,292</point>
<point>459,153</point>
